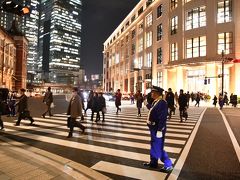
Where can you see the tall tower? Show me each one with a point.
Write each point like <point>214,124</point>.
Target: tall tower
<point>60,40</point>
<point>28,25</point>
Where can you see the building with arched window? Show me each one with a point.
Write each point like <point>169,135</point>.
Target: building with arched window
<point>182,44</point>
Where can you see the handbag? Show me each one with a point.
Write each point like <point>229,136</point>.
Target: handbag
<point>68,122</point>
<point>52,105</point>
<point>104,110</point>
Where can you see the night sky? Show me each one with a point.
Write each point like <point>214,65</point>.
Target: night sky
<point>100,18</point>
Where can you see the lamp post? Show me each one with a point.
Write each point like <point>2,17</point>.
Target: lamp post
<point>138,85</point>
<point>222,70</point>
<point>3,57</point>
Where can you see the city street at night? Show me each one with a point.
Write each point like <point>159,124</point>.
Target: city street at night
<point>116,149</point>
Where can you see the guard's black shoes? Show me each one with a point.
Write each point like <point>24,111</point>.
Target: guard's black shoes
<point>150,165</point>
<point>69,135</point>
<point>32,122</point>
<point>166,169</point>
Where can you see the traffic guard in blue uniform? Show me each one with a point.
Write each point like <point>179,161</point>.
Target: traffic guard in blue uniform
<point>156,122</point>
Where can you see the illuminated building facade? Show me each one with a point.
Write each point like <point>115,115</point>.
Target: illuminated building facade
<point>60,40</point>
<point>28,25</point>
<point>177,44</point>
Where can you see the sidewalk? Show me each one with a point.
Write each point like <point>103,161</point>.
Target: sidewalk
<point>14,165</point>
<point>212,155</point>
<point>21,162</point>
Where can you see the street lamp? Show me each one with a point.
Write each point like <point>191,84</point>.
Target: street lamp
<point>4,57</point>
<point>223,61</point>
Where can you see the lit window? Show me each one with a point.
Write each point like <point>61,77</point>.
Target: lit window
<point>225,42</point>
<point>149,39</point>
<point>159,32</point>
<point>149,59</point>
<point>159,56</point>
<point>159,79</point>
<point>149,20</point>
<point>174,25</point>
<point>174,52</point>
<point>140,47</point>
<point>140,62</point>
<point>140,28</point>
<point>196,47</point>
<point>196,18</point>
<point>133,33</point>
<point>174,4</point>
<point>224,11</point>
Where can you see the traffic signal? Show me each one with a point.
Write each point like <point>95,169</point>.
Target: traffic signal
<point>13,6</point>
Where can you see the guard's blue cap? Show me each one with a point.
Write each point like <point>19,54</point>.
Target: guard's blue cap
<point>157,89</point>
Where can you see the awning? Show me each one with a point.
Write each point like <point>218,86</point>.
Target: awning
<point>236,61</point>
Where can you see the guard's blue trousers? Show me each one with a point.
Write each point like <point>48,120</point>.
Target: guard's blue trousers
<point>157,152</point>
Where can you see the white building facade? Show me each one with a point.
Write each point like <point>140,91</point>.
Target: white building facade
<point>175,43</point>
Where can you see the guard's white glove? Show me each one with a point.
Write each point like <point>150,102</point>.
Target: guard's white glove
<point>159,134</point>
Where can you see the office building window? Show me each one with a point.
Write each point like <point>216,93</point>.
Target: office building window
<point>149,39</point>
<point>159,10</point>
<point>159,56</point>
<point>196,47</point>
<point>159,79</point>
<point>174,4</point>
<point>225,42</point>
<point>159,32</point>
<point>149,59</point>
<point>140,47</point>
<point>174,52</point>
<point>224,11</point>
<point>174,25</point>
<point>149,20</point>
<point>196,18</point>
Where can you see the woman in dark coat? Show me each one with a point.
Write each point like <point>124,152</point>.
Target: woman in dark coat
<point>139,99</point>
<point>215,100</point>
<point>89,101</point>
<point>95,106</point>
<point>118,99</point>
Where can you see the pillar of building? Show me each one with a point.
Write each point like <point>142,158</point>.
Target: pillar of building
<point>179,79</point>
<point>211,74</point>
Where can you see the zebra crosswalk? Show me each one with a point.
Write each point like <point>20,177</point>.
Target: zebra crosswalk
<point>116,147</point>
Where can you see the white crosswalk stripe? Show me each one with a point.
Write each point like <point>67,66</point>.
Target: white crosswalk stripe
<point>124,137</point>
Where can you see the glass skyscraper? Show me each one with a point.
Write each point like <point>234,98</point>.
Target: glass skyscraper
<point>60,40</point>
<point>28,25</point>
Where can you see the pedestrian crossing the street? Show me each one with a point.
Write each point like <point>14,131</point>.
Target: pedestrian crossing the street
<point>116,147</point>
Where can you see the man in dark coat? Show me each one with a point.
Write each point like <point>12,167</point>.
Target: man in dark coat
<point>1,111</point>
<point>74,110</point>
<point>95,107</point>
<point>23,111</point>
<point>48,100</point>
<point>139,99</point>
<point>156,122</point>
<point>182,101</point>
<point>170,101</point>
